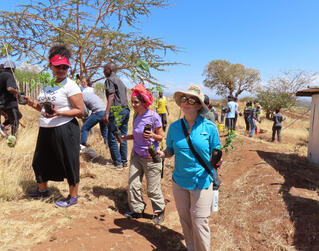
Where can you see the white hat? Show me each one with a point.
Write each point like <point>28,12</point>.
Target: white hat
<point>193,91</point>
<point>9,64</point>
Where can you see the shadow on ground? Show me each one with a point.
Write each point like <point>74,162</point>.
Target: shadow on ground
<point>304,212</point>
<point>28,185</point>
<point>162,238</point>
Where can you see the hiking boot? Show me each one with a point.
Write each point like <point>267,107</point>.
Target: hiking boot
<point>159,217</point>
<point>133,215</point>
<point>37,194</point>
<point>69,201</point>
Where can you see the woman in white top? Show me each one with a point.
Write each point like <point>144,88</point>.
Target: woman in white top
<point>56,156</point>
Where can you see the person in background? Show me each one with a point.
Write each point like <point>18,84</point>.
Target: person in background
<point>207,113</point>
<point>116,95</point>
<point>223,111</point>
<point>257,120</point>
<point>97,107</point>
<point>276,128</point>
<point>141,164</point>
<point>237,113</point>
<point>57,153</point>
<point>231,112</point>
<point>192,185</point>
<point>8,98</point>
<point>86,85</point>
<point>162,109</point>
<point>246,114</point>
<point>252,118</point>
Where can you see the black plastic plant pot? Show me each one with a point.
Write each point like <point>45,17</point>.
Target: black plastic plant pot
<point>118,135</point>
<point>48,107</point>
<point>215,157</point>
<point>21,99</point>
<point>154,155</point>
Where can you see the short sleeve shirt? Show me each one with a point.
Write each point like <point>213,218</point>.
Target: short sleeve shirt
<point>59,97</point>
<point>93,102</point>
<point>114,85</point>
<point>7,98</point>
<point>232,106</point>
<point>188,172</point>
<point>161,105</point>
<point>140,144</point>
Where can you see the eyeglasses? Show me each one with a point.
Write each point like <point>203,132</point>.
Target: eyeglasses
<point>191,101</point>
<point>62,67</point>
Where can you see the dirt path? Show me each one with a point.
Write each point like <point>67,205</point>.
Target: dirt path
<point>268,201</point>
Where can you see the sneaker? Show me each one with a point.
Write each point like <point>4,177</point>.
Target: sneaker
<point>125,165</point>
<point>69,201</point>
<point>37,194</point>
<point>159,217</point>
<point>133,215</point>
<point>117,167</point>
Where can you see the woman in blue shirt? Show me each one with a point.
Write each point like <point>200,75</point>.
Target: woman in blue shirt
<point>192,186</point>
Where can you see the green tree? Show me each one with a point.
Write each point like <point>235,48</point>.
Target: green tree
<point>97,31</point>
<point>280,92</point>
<point>230,79</point>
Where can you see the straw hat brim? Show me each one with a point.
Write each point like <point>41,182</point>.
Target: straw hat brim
<point>177,97</point>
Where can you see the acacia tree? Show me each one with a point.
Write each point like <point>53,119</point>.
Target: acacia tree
<point>94,29</point>
<point>230,79</point>
<point>280,92</point>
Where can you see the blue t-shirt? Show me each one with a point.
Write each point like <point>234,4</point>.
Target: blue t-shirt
<point>188,173</point>
<point>231,105</point>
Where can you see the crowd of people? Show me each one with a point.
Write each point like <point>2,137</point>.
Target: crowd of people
<point>191,140</point>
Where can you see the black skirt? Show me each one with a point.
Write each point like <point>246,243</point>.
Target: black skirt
<point>57,154</point>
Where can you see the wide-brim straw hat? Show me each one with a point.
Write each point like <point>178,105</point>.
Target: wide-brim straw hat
<point>192,91</point>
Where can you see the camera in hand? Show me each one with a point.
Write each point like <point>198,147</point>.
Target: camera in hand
<point>21,99</point>
<point>215,157</point>
<point>151,149</point>
<point>147,128</point>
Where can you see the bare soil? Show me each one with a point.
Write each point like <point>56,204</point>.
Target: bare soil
<point>269,200</point>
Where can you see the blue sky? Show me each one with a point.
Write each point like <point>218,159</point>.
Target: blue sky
<point>268,35</point>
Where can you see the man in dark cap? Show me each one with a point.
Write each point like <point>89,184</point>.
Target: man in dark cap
<point>8,97</point>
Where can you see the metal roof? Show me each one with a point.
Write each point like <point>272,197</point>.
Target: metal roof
<point>308,92</point>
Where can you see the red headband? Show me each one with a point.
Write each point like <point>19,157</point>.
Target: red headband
<point>140,90</point>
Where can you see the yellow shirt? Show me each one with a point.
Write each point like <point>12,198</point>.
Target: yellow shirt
<point>161,105</point>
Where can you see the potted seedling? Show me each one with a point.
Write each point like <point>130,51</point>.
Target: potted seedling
<point>152,149</point>
<point>45,80</point>
<point>115,110</point>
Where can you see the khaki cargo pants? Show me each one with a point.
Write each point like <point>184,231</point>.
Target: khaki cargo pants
<point>152,171</point>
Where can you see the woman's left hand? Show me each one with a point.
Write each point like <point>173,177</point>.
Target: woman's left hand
<point>47,115</point>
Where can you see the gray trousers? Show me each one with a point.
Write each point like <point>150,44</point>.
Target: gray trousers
<point>193,208</point>
<point>152,171</point>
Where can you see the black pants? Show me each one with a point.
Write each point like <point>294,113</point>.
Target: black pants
<point>230,123</point>
<point>247,124</point>
<point>274,131</point>
<point>164,121</point>
<point>13,119</point>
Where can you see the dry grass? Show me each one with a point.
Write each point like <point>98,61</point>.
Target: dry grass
<point>102,184</point>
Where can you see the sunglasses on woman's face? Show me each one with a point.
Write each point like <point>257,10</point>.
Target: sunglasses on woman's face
<point>191,101</point>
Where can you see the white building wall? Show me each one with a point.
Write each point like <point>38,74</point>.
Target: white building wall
<point>313,145</point>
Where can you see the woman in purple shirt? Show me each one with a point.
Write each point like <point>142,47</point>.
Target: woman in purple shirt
<point>141,163</point>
